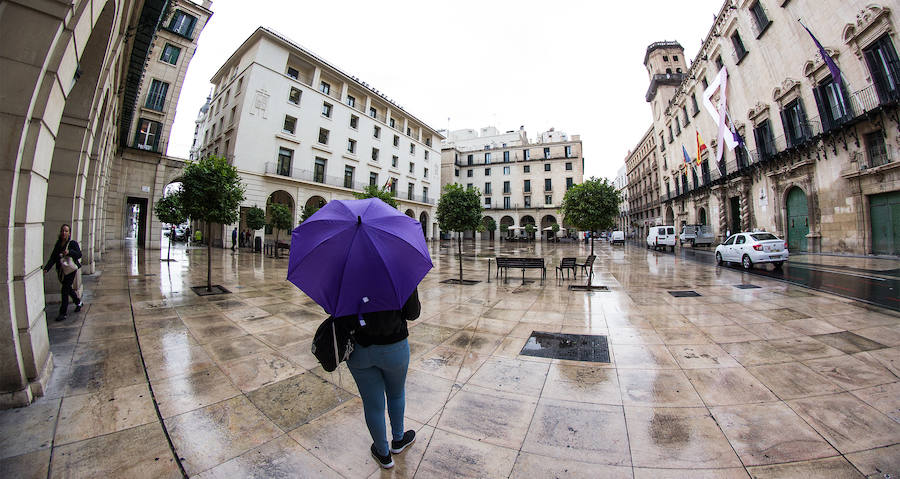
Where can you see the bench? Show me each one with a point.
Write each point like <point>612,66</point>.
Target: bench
<point>503,264</point>
<point>587,264</point>
<point>566,265</point>
<point>269,248</point>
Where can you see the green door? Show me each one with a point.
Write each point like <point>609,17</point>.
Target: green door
<point>884,209</point>
<point>797,220</point>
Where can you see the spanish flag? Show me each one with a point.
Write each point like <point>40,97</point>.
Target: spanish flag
<point>388,183</point>
<point>701,147</point>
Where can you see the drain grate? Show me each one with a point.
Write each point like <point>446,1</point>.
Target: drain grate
<point>684,294</point>
<point>573,347</point>
<point>746,286</point>
<point>216,289</point>
<point>581,287</point>
<point>466,282</point>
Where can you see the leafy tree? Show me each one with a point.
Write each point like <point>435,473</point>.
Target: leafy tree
<point>279,219</point>
<point>459,210</point>
<point>308,211</point>
<point>529,231</point>
<point>372,191</point>
<point>555,229</point>
<point>591,206</point>
<point>256,218</point>
<point>490,225</point>
<point>212,192</point>
<point>504,229</point>
<point>169,209</point>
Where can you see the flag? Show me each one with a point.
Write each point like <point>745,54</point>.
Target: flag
<point>387,184</point>
<point>687,158</point>
<point>701,147</point>
<point>832,67</point>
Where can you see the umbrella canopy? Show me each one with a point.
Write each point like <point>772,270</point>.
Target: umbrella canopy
<point>358,256</point>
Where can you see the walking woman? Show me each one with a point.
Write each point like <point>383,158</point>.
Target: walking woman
<point>66,256</point>
<point>378,363</point>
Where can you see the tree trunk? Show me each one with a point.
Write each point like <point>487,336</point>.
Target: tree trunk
<point>592,242</point>
<point>459,239</point>
<point>171,238</point>
<point>209,257</point>
<point>276,243</point>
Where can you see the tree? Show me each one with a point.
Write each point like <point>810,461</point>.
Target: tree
<point>169,209</point>
<point>256,218</point>
<point>555,229</point>
<point>529,231</point>
<point>591,206</point>
<point>504,229</point>
<point>459,210</point>
<point>490,225</point>
<point>308,211</point>
<point>372,191</point>
<point>279,219</point>
<point>212,192</point>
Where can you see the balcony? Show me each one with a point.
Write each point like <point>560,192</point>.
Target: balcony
<point>273,168</point>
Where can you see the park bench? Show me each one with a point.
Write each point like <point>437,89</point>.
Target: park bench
<point>505,264</point>
<point>565,265</point>
<point>587,264</point>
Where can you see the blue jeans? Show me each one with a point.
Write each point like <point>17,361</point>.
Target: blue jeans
<point>379,371</point>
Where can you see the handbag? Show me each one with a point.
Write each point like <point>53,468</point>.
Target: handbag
<point>68,264</point>
<point>332,344</point>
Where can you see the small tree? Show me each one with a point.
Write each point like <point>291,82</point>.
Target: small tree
<point>372,191</point>
<point>459,210</point>
<point>555,229</point>
<point>279,219</point>
<point>490,225</point>
<point>591,206</point>
<point>256,218</point>
<point>529,231</point>
<point>504,229</point>
<point>308,211</point>
<point>169,209</point>
<point>212,192</point>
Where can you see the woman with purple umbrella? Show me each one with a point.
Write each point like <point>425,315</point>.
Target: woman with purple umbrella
<point>361,260</point>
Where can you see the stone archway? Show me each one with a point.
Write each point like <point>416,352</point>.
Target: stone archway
<point>527,220</point>
<point>546,222</point>
<point>701,216</point>
<point>410,213</point>
<point>507,221</point>
<point>283,198</point>
<point>423,220</point>
<point>670,216</point>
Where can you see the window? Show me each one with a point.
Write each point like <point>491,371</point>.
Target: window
<point>425,172</point>
<point>354,122</point>
<point>694,108</point>
<point>662,141</point>
<point>319,170</point>
<point>527,186</point>
<point>285,156</point>
<point>569,184</point>
<point>718,61</point>
<point>671,136</point>
<point>674,58</point>
<point>730,240</point>
<point>412,167</point>
<point>548,199</point>
<point>396,141</point>
<point>876,149</point>
<point>469,173</point>
<point>832,104</point>
<point>526,169</point>
<point>376,132</point>
<point>506,157</point>
<point>373,112</point>
<point>704,83</point>
<point>487,188</point>
<point>294,96</point>
<point>568,166</point>
<point>546,153</point>
<point>568,151</point>
<point>487,202</point>
<point>665,58</point>
<point>740,239</point>
<point>687,119</point>
<point>739,50</point>
<point>147,135</point>
<point>351,101</point>
<point>765,144</point>
<point>348,176</point>
<point>182,24</point>
<point>428,141</point>
<point>668,71</point>
<point>392,123</point>
<point>456,172</point>
<point>326,110</point>
<point>393,186</point>
<point>881,57</point>
<point>469,159</point>
<point>156,96</point>
<point>170,54</point>
<point>232,115</point>
<point>546,166</point>
<point>408,131</point>
<point>351,146</point>
<point>373,179</point>
<point>375,154</point>
<point>526,154</point>
<point>506,202</point>
<point>290,124</point>
<point>323,136</point>
<point>412,149</point>
<point>469,186</point>
<point>506,187</point>
<point>410,188</point>
<point>677,126</point>
<point>794,122</point>
<point>487,172</point>
<point>505,170</point>
<point>759,18</point>
<point>527,201</point>
<point>325,88</point>
<point>487,158</point>
<point>426,154</point>
<point>548,184</point>
<point>425,194</point>
<point>394,160</point>
<point>293,73</point>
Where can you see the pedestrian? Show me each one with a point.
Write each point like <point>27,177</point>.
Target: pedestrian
<point>378,364</point>
<point>66,257</point>
<point>187,235</point>
<point>233,238</point>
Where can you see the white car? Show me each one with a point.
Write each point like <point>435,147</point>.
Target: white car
<point>752,248</point>
<point>661,236</point>
<point>617,237</point>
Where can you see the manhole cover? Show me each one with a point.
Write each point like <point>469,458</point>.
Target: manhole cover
<point>684,294</point>
<point>456,281</point>
<point>216,289</point>
<point>574,347</point>
<point>581,287</point>
<point>746,286</point>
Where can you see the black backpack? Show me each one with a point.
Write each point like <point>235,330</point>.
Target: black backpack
<point>332,343</point>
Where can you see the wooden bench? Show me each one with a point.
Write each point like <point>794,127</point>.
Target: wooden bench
<point>566,265</point>
<point>587,264</point>
<point>504,264</point>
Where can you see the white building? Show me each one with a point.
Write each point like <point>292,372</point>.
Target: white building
<point>621,185</point>
<point>301,132</point>
<point>521,182</point>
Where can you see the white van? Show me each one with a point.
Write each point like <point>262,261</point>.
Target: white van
<point>661,236</point>
<point>617,237</point>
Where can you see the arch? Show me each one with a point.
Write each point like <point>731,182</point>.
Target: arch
<point>315,202</point>
<point>527,220</point>
<point>283,198</point>
<point>797,218</point>
<point>410,213</point>
<point>423,220</point>
<point>701,216</point>
<point>546,222</point>
<point>670,216</point>
<point>507,221</point>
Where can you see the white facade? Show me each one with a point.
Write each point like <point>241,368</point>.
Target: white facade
<point>487,137</point>
<point>301,132</point>
<point>621,185</point>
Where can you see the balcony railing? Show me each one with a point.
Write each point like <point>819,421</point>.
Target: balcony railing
<point>273,168</point>
<point>156,103</point>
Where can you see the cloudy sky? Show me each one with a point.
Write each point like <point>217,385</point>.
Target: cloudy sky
<point>569,64</point>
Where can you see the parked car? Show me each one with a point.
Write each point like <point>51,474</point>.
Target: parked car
<point>696,235</point>
<point>180,233</point>
<point>752,248</point>
<point>617,237</point>
<point>661,236</point>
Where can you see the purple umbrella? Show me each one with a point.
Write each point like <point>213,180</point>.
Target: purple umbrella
<point>358,256</point>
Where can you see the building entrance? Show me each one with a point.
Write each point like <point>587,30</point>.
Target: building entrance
<point>797,220</point>
<point>884,210</point>
<point>136,219</point>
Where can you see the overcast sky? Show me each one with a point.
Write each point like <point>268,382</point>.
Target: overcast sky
<point>572,65</point>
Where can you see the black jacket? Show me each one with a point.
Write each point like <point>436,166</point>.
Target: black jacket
<point>383,327</point>
<point>58,248</point>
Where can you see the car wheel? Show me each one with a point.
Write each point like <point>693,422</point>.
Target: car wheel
<point>718,259</point>
<point>778,264</point>
<point>746,262</point>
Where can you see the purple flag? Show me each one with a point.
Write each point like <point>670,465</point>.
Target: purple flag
<point>832,67</point>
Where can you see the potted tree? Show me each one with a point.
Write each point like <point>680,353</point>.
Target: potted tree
<point>490,226</point>
<point>554,228</point>
<point>169,209</point>
<point>279,219</point>
<point>256,219</point>
<point>591,206</point>
<point>504,230</point>
<point>459,210</point>
<point>529,231</point>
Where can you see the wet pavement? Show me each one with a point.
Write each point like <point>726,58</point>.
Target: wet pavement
<point>151,380</point>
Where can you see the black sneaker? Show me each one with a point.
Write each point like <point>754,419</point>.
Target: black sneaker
<point>398,446</point>
<point>61,317</point>
<point>78,306</point>
<point>386,462</point>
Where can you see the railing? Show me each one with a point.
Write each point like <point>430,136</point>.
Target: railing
<point>338,181</point>
<point>156,102</point>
